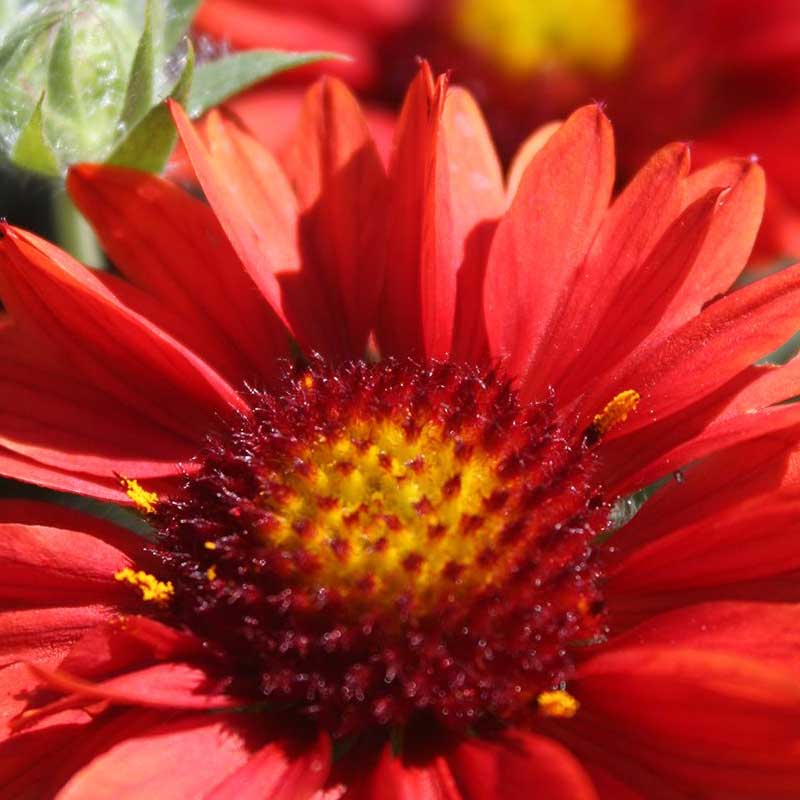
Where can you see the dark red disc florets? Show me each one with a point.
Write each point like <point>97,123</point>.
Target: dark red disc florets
<point>381,541</point>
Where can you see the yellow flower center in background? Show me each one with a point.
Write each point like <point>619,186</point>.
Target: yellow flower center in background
<point>526,36</point>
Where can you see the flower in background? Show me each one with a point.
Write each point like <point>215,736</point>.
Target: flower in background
<point>380,426</point>
<point>724,74</point>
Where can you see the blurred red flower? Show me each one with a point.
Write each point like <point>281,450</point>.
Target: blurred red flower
<point>409,556</point>
<point>724,74</point>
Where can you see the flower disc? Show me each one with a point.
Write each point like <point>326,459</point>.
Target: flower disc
<point>384,540</point>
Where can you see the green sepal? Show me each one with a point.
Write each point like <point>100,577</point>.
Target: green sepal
<point>139,93</point>
<point>148,146</point>
<point>32,151</point>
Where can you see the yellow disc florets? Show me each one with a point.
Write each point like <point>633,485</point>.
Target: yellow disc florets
<point>384,513</point>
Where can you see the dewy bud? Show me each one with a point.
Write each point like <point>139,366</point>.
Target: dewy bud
<point>78,77</point>
<point>85,80</point>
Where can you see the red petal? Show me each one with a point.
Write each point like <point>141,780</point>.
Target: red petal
<point>609,787</point>
<point>280,771</point>
<point>543,238</point>
<point>718,724</point>
<point>363,15</point>
<point>764,470</point>
<point>165,685</point>
<point>394,778</point>
<point>768,632</point>
<point>341,185</point>
<point>479,770</point>
<point>627,234</point>
<point>13,465</point>
<point>67,312</point>
<point>773,384</point>
<point>730,239</point>
<point>27,761</point>
<point>127,642</point>
<point>707,351</point>
<point>18,686</point>
<point>514,765</point>
<point>637,460</point>
<point>258,211</point>
<point>612,758</point>
<point>272,113</point>
<point>631,609</point>
<point>722,554</point>
<point>471,174</point>
<point>178,253</point>
<point>46,634</point>
<point>63,556</point>
<point>246,25</point>
<point>720,256</point>
<point>444,181</point>
<point>640,304</point>
<point>410,206</point>
<point>525,154</point>
<point>54,416</point>
<point>691,542</point>
<point>180,759</point>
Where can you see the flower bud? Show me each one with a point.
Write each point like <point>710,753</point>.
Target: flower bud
<point>77,77</point>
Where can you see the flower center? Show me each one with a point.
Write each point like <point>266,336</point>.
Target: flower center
<point>524,36</point>
<point>383,541</point>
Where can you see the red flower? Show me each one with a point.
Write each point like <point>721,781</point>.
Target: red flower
<point>723,73</point>
<point>405,577</point>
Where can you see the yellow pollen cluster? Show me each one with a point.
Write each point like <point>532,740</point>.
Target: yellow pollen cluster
<point>558,704</point>
<point>143,500</point>
<point>378,515</point>
<point>522,36</point>
<point>616,412</point>
<point>152,589</point>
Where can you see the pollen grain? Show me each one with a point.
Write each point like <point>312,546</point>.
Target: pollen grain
<point>143,500</point>
<point>558,704</point>
<point>152,589</point>
<point>616,411</point>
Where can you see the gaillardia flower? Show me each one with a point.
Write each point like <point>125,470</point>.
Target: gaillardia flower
<point>723,73</point>
<point>382,428</point>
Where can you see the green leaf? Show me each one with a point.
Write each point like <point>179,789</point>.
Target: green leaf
<point>148,145</point>
<point>216,81</point>
<point>141,80</point>
<point>32,151</point>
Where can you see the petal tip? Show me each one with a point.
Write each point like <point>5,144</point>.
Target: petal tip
<point>592,117</point>
<point>177,112</point>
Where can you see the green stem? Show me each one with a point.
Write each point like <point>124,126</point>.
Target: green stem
<point>73,232</point>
